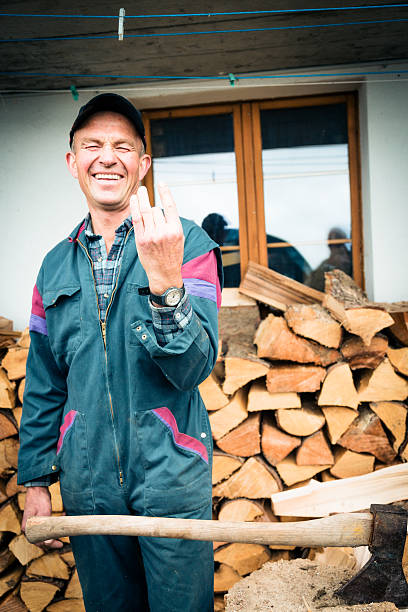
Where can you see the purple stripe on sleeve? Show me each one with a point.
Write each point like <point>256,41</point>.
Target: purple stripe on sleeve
<point>201,288</point>
<point>66,426</point>
<point>181,439</point>
<point>38,324</point>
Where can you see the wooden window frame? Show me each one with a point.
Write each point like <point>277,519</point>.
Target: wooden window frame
<point>249,171</point>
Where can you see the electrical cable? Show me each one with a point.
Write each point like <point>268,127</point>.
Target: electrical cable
<point>161,34</point>
<point>183,77</point>
<point>210,14</point>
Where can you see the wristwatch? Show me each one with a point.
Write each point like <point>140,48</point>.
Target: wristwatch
<point>171,297</point>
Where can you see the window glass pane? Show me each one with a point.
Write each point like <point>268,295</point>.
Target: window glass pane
<point>195,157</point>
<point>307,191</point>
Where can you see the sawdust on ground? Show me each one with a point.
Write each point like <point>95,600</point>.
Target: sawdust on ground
<point>295,586</point>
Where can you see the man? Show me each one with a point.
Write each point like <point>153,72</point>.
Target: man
<point>123,329</point>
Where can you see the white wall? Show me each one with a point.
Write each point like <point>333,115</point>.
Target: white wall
<point>40,203</point>
<point>384,152</point>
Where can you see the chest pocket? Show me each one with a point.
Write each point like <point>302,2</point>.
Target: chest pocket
<point>63,314</point>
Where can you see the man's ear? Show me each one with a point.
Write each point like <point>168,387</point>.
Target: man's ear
<point>144,165</point>
<point>71,163</point>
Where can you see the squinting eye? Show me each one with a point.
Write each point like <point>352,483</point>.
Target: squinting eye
<point>92,147</point>
<point>122,149</point>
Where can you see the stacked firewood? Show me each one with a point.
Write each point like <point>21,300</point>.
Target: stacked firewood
<point>300,391</point>
<point>30,579</point>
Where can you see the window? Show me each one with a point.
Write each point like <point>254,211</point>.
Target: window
<point>275,182</point>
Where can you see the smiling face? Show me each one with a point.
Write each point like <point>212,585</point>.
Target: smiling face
<point>107,160</point>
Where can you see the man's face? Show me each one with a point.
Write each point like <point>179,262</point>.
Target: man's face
<point>107,161</point>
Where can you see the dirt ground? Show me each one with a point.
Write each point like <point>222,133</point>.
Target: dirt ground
<point>295,586</point>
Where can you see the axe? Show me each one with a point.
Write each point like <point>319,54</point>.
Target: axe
<point>383,530</point>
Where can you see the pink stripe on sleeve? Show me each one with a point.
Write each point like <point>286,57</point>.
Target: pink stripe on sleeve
<point>37,304</point>
<point>204,268</point>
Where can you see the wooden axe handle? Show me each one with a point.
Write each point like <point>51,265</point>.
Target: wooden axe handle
<point>339,530</point>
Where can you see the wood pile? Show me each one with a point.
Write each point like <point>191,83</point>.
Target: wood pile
<point>308,387</point>
<point>30,579</point>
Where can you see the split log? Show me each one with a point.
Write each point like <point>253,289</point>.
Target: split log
<point>383,384</point>
<point>238,318</point>
<point>300,421</point>
<point>276,445</point>
<point>12,488</point>
<point>56,499</point>
<point>242,368</point>
<point>219,605</point>
<point>67,605</point>
<point>244,440</point>
<point>21,388</point>
<point>3,492</point>
<point>225,419</point>
<point>7,391</point>
<point>338,387</point>
<point>293,378</point>
<point>8,456</point>
<point>348,463</point>
<point>314,322</point>
<point>338,419</point>
<point>394,417</point>
<point>212,395</point>
<point>245,510</point>
<point>23,550</point>
<point>24,340</point>
<point>7,427</point>
<point>275,341</point>
<point>12,603</point>
<point>399,359</point>
<point>366,322</point>
<point>15,363</point>
<point>74,590</point>
<point>224,578</point>
<point>7,558</point>
<point>223,466</point>
<point>357,493</point>
<point>366,435</point>
<point>260,398</point>
<point>18,413</point>
<point>314,450</point>
<point>243,558</point>
<point>68,557</point>
<point>9,519</point>
<point>50,565</point>
<point>336,556</point>
<point>280,555</point>
<point>399,328</point>
<point>327,477</point>
<point>275,289</point>
<point>291,472</point>
<point>254,480</point>
<point>359,355</point>
<point>343,288</point>
<point>10,579</point>
<point>37,594</point>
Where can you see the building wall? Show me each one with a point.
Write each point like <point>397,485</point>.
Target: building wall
<point>41,203</point>
<point>384,153</point>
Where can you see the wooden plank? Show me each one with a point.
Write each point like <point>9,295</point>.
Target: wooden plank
<point>275,289</point>
<point>349,495</point>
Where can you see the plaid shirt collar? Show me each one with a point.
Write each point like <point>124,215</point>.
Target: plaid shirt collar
<point>124,227</point>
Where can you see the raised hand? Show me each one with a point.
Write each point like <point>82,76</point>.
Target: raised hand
<point>159,239</point>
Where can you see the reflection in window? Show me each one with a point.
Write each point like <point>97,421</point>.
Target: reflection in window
<point>307,192</point>
<point>195,157</point>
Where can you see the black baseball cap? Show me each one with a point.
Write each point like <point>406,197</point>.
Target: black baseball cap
<point>109,102</point>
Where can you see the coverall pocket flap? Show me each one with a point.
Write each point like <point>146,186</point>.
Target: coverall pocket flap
<point>62,312</point>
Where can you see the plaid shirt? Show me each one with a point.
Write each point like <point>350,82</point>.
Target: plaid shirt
<point>167,321</point>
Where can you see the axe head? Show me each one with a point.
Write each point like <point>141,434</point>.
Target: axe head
<point>382,578</point>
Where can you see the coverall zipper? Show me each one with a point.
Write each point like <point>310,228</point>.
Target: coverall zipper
<point>103,329</point>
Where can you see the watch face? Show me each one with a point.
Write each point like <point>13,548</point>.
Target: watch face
<point>173,297</point>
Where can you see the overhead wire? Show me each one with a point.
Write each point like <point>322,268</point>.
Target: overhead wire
<point>201,32</point>
<point>209,14</point>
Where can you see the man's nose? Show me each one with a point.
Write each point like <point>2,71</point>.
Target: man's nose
<point>107,155</point>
